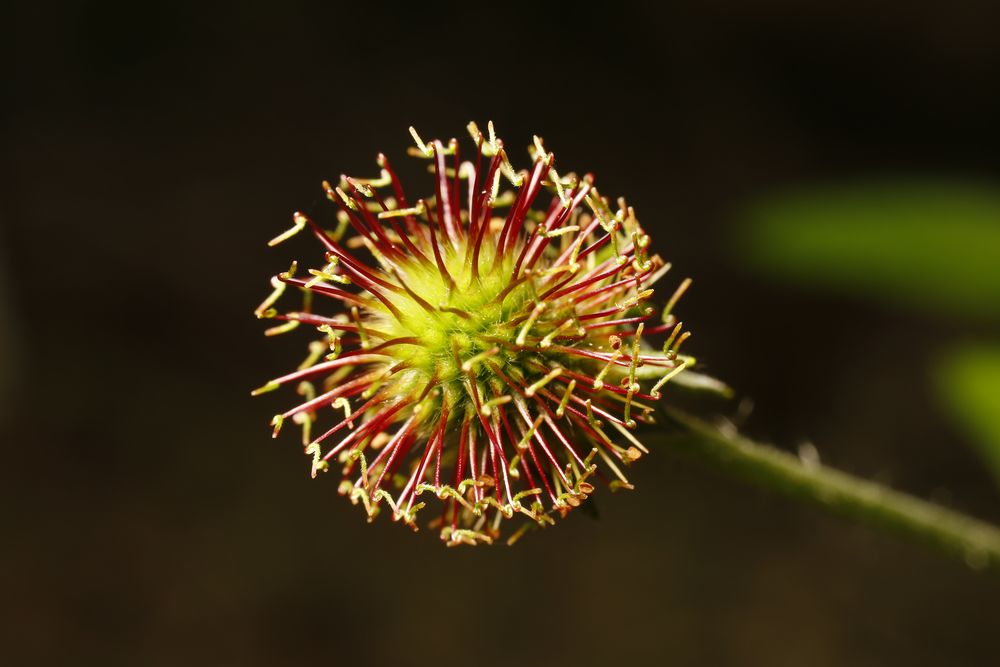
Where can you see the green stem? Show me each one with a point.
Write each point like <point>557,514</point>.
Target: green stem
<point>963,537</point>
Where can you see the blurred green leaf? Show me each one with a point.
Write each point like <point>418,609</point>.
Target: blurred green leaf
<point>968,382</point>
<point>933,246</point>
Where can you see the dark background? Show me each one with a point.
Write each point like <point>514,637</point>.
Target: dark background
<point>150,152</point>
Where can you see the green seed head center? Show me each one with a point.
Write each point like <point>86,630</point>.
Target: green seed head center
<point>459,319</point>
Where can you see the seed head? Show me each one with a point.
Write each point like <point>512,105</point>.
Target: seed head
<point>489,348</point>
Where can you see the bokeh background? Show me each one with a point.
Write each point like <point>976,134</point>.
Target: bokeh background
<point>827,175</point>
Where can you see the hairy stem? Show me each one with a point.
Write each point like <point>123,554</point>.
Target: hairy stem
<point>963,537</point>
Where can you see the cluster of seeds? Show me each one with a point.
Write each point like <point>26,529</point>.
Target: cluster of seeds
<point>490,349</point>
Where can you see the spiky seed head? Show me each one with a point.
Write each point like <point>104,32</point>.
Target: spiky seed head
<point>490,348</point>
